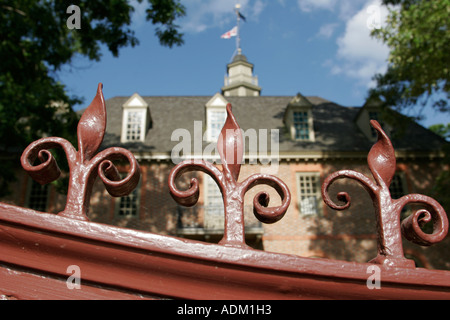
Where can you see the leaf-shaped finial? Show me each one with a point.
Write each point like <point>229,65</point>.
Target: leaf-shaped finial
<point>381,158</point>
<point>92,126</point>
<point>229,145</point>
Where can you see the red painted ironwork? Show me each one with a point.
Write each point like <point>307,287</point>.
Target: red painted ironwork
<point>37,248</point>
<point>382,164</point>
<point>230,150</point>
<point>84,165</point>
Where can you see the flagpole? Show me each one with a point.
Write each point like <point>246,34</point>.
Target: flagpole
<point>238,38</point>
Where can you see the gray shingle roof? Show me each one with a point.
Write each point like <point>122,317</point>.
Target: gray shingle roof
<point>334,125</point>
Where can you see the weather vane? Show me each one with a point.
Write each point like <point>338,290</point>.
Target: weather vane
<point>235,31</point>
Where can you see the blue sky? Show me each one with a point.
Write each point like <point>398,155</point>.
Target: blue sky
<point>315,47</point>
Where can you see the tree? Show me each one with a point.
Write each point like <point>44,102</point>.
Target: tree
<point>418,35</point>
<point>442,183</point>
<point>37,38</point>
<point>441,129</point>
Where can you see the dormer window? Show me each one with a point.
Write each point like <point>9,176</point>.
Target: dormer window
<point>374,115</point>
<point>371,111</point>
<point>301,125</point>
<point>216,120</point>
<point>299,120</point>
<point>216,115</point>
<point>135,125</point>
<point>135,119</point>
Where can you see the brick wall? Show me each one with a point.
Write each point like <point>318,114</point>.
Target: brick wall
<point>345,235</point>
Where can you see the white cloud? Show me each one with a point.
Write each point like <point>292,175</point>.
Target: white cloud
<point>360,56</point>
<point>138,17</point>
<point>344,9</point>
<point>310,5</point>
<point>257,8</point>
<point>202,15</point>
<point>327,30</point>
<point>348,8</point>
<point>357,43</point>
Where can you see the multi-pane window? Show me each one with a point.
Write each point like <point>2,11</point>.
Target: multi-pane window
<point>309,192</point>
<point>214,210</point>
<point>136,119</point>
<point>397,186</point>
<point>398,190</point>
<point>216,120</point>
<point>134,125</point>
<point>301,125</point>
<point>38,196</point>
<point>128,206</point>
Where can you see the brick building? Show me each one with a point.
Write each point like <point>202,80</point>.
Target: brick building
<point>300,139</point>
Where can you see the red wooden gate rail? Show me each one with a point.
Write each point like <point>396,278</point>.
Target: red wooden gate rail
<point>37,249</point>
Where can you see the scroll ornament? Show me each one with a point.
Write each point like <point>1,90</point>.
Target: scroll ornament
<point>84,164</point>
<point>230,148</point>
<point>382,164</point>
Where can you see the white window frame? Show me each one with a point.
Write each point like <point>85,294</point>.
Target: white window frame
<point>216,104</point>
<point>136,194</point>
<point>142,124</point>
<point>213,135</point>
<point>136,104</point>
<point>310,123</point>
<point>213,217</point>
<point>316,193</point>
